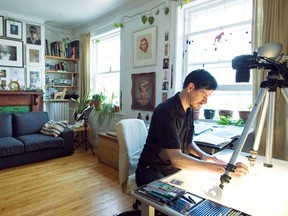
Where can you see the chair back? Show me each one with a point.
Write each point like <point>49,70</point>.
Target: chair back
<point>131,134</point>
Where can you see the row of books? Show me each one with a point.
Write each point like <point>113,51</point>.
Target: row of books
<point>61,49</point>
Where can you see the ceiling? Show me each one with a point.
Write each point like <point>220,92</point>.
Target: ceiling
<point>67,13</point>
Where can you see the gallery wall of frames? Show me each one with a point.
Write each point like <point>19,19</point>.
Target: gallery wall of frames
<point>21,55</point>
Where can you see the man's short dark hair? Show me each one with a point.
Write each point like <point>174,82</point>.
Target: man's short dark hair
<point>201,79</point>
<point>33,28</point>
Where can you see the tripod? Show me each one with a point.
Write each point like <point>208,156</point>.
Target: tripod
<point>84,116</point>
<point>267,98</point>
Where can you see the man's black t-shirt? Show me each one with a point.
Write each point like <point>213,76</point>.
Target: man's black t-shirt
<point>167,131</point>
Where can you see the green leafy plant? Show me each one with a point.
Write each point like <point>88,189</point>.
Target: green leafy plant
<point>107,111</point>
<point>81,103</point>
<point>227,120</point>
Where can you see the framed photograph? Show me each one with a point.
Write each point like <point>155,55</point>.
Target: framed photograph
<point>13,29</point>
<point>143,91</point>
<point>145,44</point>
<point>11,53</point>
<point>34,77</point>
<point>1,26</point>
<point>33,55</point>
<point>33,34</point>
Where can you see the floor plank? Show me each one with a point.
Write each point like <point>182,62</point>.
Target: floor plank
<point>73,185</point>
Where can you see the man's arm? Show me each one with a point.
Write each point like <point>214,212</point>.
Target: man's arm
<point>185,162</point>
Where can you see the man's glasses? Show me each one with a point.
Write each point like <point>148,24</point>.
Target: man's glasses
<point>33,32</point>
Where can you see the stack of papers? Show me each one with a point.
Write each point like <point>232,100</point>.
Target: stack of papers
<point>218,136</point>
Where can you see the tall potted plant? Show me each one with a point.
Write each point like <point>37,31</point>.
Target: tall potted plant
<point>98,99</point>
<point>81,103</point>
<point>106,111</point>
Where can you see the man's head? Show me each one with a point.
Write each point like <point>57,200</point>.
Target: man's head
<point>197,87</point>
<point>33,31</point>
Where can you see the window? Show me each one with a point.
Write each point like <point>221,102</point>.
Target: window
<point>216,32</point>
<point>105,64</point>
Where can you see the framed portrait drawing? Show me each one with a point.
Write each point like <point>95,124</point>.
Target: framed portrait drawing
<point>11,53</point>
<point>145,47</point>
<point>34,77</point>
<point>1,26</point>
<point>143,91</point>
<point>33,55</point>
<point>33,34</point>
<point>13,29</point>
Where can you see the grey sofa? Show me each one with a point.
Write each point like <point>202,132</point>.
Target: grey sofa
<point>21,141</point>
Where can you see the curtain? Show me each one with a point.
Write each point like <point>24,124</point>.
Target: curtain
<point>84,64</point>
<point>270,25</point>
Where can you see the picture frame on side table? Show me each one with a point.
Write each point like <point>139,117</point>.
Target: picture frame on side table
<point>33,55</point>
<point>33,77</point>
<point>145,47</point>
<point>11,53</point>
<point>143,91</point>
<point>14,29</point>
<point>1,26</point>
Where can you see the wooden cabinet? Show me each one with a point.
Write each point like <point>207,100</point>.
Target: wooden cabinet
<point>108,150</point>
<point>61,73</point>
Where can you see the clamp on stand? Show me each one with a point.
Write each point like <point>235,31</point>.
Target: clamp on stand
<point>84,116</point>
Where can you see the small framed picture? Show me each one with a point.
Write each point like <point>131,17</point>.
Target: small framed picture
<point>11,53</point>
<point>1,26</point>
<point>13,29</point>
<point>34,77</point>
<point>33,55</point>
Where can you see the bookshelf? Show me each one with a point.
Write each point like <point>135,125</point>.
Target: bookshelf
<point>60,73</point>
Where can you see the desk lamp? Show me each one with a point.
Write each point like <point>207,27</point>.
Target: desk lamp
<point>277,77</point>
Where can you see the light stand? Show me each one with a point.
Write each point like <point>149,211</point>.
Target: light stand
<point>84,116</point>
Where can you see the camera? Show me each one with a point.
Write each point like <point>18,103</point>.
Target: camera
<point>263,58</point>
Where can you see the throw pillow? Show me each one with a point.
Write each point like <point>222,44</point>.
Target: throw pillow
<point>54,128</point>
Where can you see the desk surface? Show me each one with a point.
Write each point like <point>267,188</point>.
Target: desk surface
<point>262,192</point>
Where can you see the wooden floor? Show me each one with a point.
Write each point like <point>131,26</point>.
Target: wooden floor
<point>74,185</point>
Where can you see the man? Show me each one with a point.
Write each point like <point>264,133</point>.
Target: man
<point>33,38</point>
<point>169,146</point>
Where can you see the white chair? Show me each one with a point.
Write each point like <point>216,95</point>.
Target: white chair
<point>131,135</point>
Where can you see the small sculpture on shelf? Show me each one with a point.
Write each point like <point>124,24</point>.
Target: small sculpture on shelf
<point>60,94</point>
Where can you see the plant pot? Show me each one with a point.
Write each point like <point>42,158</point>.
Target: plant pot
<point>209,113</point>
<point>244,115</point>
<point>225,113</point>
<point>96,104</point>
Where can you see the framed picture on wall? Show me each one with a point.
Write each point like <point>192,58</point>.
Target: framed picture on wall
<point>33,55</point>
<point>143,91</point>
<point>13,29</point>
<point>33,34</point>
<point>145,44</point>
<point>34,77</point>
<point>11,53</point>
<point>1,26</point>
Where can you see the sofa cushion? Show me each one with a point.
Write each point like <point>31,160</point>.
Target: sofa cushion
<point>10,146</point>
<point>35,142</point>
<point>6,125</point>
<point>54,128</point>
<point>28,123</point>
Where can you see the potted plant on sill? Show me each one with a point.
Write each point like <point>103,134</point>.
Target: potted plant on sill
<point>107,110</point>
<point>98,99</point>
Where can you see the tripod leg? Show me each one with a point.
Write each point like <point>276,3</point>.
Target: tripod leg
<point>225,178</point>
<point>270,130</point>
<point>254,150</point>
